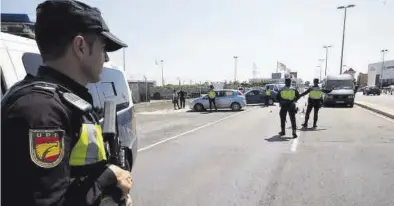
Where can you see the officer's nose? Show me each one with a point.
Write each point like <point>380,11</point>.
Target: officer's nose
<point>106,57</point>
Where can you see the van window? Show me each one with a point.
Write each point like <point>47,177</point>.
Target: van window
<point>113,86</point>
<point>31,62</point>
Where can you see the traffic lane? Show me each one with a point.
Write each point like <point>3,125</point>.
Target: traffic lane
<point>228,163</point>
<point>384,100</point>
<point>153,127</point>
<point>348,160</point>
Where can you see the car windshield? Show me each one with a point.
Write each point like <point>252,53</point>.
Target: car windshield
<point>280,86</point>
<point>339,84</point>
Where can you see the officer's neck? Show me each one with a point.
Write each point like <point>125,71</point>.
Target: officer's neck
<point>69,69</point>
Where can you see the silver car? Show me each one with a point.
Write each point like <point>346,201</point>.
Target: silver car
<point>225,99</point>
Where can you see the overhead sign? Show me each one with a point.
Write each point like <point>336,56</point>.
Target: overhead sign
<point>293,74</point>
<point>277,75</point>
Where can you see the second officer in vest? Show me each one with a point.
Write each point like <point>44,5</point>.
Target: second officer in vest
<point>287,96</point>
<point>315,101</point>
<point>51,137</point>
<point>267,96</point>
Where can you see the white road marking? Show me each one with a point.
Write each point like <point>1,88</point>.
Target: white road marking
<point>192,130</point>
<point>294,144</point>
<point>376,114</point>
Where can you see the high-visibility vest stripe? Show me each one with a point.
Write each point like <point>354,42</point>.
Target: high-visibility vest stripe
<point>90,146</point>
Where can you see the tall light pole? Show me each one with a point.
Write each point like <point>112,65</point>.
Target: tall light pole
<point>326,47</point>
<point>320,61</point>
<point>343,32</point>
<point>383,51</point>
<point>318,66</point>
<point>146,89</point>
<point>162,72</point>
<point>235,68</point>
<point>124,59</point>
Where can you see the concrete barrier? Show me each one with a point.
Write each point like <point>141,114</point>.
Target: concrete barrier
<point>156,105</point>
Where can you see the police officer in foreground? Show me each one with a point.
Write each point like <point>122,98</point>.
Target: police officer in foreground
<point>315,101</point>
<point>52,147</point>
<point>287,96</point>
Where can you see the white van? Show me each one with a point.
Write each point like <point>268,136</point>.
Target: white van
<point>20,55</point>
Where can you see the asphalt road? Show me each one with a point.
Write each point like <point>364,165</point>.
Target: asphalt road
<point>230,158</point>
<point>384,100</point>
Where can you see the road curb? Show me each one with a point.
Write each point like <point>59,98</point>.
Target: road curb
<point>375,110</point>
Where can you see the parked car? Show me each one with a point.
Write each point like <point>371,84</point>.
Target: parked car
<point>225,99</point>
<point>257,96</point>
<point>374,90</point>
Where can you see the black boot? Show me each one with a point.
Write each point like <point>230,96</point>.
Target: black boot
<point>282,133</point>
<point>305,125</point>
<point>295,134</point>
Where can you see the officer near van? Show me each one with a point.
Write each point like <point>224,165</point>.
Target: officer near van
<point>315,101</point>
<point>50,134</point>
<point>267,95</point>
<point>212,97</point>
<point>287,96</point>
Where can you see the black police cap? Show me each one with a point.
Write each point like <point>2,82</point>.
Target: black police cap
<point>68,18</point>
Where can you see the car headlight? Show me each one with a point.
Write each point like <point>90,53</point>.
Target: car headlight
<point>351,96</point>
<point>329,96</point>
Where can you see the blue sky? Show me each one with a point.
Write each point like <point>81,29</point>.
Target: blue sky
<point>198,39</point>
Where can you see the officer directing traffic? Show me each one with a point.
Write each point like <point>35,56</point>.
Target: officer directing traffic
<point>287,96</point>
<point>267,95</point>
<point>315,101</point>
<point>51,137</point>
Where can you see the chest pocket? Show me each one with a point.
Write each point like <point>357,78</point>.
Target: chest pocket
<point>89,148</point>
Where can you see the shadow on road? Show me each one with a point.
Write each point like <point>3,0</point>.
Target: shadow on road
<point>213,111</point>
<point>278,138</point>
<point>311,129</point>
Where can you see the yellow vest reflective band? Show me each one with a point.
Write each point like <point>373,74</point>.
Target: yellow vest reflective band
<point>287,93</point>
<point>90,147</point>
<point>211,94</point>
<point>315,93</point>
<point>268,92</point>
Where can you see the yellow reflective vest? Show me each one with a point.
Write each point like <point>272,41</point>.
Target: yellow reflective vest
<point>315,93</point>
<point>268,92</point>
<point>211,94</point>
<point>287,93</point>
<point>89,148</point>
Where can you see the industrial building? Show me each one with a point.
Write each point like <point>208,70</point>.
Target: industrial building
<point>375,70</point>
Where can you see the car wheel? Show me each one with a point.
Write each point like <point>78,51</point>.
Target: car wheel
<point>199,107</point>
<point>235,106</point>
<point>351,105</point>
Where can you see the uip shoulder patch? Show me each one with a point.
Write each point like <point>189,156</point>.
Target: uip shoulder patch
<point>46,147</point>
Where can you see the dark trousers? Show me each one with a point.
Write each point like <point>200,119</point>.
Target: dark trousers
<point>183,101</point>
<point>316,106</point>
<point>175,103</point>
<point>212,101</point>
<point>291,109</point>
<point>267,100</point>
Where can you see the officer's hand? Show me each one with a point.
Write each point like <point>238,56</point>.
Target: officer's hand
<point>125,182</point>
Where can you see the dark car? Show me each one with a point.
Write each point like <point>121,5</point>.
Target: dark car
<point>372,90</point>
<point>257,96</point>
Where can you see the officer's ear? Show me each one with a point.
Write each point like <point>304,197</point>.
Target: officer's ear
<point>79,46</point>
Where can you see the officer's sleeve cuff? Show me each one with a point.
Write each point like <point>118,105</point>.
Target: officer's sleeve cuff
<point>107,179</point>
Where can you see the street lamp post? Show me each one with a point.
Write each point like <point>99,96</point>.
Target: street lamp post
<point>343,32</point>
<point>383,51</point>
<point>162,72</point>
<point>326,47</point>
<point>146,89</point>
<point>235,68</point>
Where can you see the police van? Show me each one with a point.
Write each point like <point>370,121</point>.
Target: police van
<point>20,55</point>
